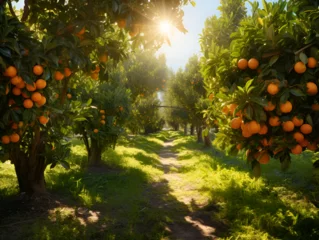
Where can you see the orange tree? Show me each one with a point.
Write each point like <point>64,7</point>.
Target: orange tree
<point>40,54</point>
<point>265,82</point>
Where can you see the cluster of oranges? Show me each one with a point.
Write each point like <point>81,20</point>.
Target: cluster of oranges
<point>282,119</point>
<point>95,73</point>
<point>102,119</point>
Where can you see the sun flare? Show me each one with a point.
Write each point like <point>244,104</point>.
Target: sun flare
<point>165,27</point>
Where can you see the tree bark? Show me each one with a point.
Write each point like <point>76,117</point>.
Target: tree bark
<point>192,130</point>
<point>199,134</point>
<point>207,141</point>
<point>95,154</point>
<point>185,129</point>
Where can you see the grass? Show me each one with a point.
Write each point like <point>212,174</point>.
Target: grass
<point>273,207</point>
<point>120,202</point>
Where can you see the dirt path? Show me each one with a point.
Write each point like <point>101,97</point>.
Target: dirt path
<point>186,224</point>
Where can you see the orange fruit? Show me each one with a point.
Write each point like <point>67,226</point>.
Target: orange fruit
<point>20,124</point>
<point>312,146</point>
<point>272,89</point>
<point>274,121</point>
<point>27,103</point>
<point>246,133</point>
<point>236,123</point>
<point>263,129</point>
<point>20,85</point>
<point>306,128</point>
<point>16,80</point>
<point>315,107</point>
<point>43,120</point>
<point>312,62</point>
<point>30,87</point>
<point>254,127</point>
<point>299,137</point>
<point>225,110</point>
<point>286,107</point>
<point>95,76</point>
<point>69,96</point>
<point>121,108</point>
<point>11,102</point>
<point>103,117</point>
<point>270,107</point>
<point>300,67</point>
<point>102,112</point>
<point>262,157</point>
<point>38,70</point>
<point>121,23</point>
<point>296,150</point>
<point>95,130</point>
<point>11,72</point>
<point>102,122</point>
<point>288,126</point>
<point>25,95</point>
<point>232,107</point>
<point>14,126</point>
<point>304,143</point>
<point>36,97</point>
<point>264,142</point>
<point>5,139</point>
<point>14,137</point>
<point>297,121</point>
<point>16,91</point>
<point>58,76</point>
<point>104,58</point>
<point>312,88</point>
<point>67,72</point>
<point>41,102</point>
<point>238,146</point>
<point>242,64</point>
<point>211,97</point>
<point>81,32</point>
<point>253,63</point>
<point>40,84</point>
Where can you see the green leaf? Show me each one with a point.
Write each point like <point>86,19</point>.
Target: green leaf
<point>193,3</point>
<point>273,60</point>
<point>303,57</point>
<point>297,92</point>
<point>309,119</point>
<point>65,164</point>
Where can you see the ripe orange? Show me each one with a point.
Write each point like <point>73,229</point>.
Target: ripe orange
<point>315,107</point>
<point>312,146</point>
<point>263,129</point>
<point>16,80</point>
<point>254,127</point>
<point>41,102</point>
<point>20,124</point>
<point>38,70</point>
<point>121,23</point>
<point>312,88</point>
<point>25,95</point>
<point>16,91</point>
<point>299,137</point>
<point>95,130</point>
<point>121,108</point>
<point>253,63</point>
<point>102,122</point>
<point>20,85</point>
<point>312,62</point>
<point>14,126</point>
<point>104,58</point>
<point>5,139</point>
<point>67,72</point>
<point>210,97</point>
<point>286,107</point>
<point>242,64</point>
<point>274,121</point>
<point>225,110</point>
<point>262,157</point>
<point>40,84</point>
<point>14,137</point>
<point>232,107</point>
<point>11,72</point>
<point>246,133</point>
<point>300,67</point>
<point>304,143</point>
<point>297,121</point>
<point>69,96</point>
<point>58,76</point>
<point>102,112</point>
<point>238,146</point>
<point>43,120</point>
<point>236,123</point>
<point>272,89</point>
<point>28,103</point>
<point>288,126</point>
<point>296,150</point>
<point>81,32</point>
<point>270,107</point>
<point>30,87</point>
<point>36,97</point>
<point>95,76</point>
<point>264,142</point>
<point>306,128</point>
<point>103,117</point>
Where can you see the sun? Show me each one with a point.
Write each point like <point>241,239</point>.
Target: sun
<point>165,27</point>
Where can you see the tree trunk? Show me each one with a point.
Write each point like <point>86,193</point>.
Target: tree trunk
<point>192,130</point>
<point>95,154</point>
<point>207,141</point>
<point>176,126</point>
<point>185,129</point>
<point>199,134</point>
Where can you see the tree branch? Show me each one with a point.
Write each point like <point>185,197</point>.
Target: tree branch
<point>11,9</point>
<point>304,48</point>
<point>26,11</point>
